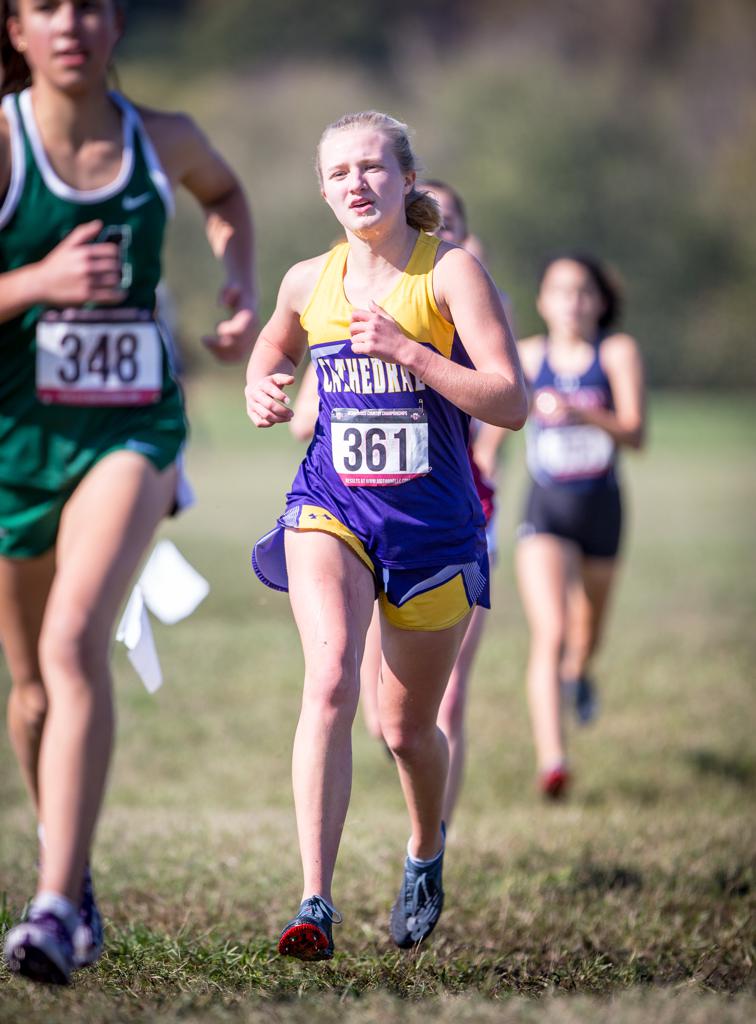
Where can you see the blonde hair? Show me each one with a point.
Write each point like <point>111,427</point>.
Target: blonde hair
<point>421,208</point>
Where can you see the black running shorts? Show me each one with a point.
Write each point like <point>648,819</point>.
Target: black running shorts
<point>592,519</point>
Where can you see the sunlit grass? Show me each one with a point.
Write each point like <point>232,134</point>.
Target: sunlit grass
<point>633,899</point>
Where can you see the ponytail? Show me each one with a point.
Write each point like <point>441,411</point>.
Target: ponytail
<point>436,185</point>
<point>423,211</point>
<point>15,71</point>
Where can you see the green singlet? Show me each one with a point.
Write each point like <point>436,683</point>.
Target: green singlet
<point>79,384</point>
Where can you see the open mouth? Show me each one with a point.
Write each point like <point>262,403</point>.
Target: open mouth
<point>72,57</point>
<point>361,204</point>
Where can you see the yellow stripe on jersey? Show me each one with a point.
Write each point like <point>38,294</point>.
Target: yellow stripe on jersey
<point>432,610</point>
<point>411,302</point>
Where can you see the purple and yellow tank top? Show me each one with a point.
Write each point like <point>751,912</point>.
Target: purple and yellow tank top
<point>388,456</point>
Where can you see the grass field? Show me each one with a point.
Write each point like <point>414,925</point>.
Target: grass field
<point>633,901</point>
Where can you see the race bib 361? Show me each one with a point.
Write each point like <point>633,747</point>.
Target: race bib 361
<point>379,447</point>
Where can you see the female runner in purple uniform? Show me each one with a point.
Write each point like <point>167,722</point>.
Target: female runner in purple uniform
<point>485,441</point>
<point>410,340</point>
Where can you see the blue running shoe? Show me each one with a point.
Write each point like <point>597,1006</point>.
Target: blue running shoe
<point>309,936</point>
<point>41,948</point>
<point>88,938</point>
<point>586,700</point>
<point>419,903</point>
<point>582,697</point>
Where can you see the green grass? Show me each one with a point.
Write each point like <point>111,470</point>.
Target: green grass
<point>634,900</point>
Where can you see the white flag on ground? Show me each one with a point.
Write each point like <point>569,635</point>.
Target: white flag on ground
<point>171,589</point>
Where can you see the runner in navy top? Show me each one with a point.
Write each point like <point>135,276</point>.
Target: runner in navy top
<point>587,401</point>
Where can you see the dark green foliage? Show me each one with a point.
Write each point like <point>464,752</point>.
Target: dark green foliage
<point>633,901</point>
<point>626,129</point>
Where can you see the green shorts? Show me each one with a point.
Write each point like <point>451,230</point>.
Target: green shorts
<point>31,505</point>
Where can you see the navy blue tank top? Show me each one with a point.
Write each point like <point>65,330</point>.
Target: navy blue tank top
<point>560,453</point>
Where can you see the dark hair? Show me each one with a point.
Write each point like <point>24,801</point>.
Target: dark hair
<point>605,280</point>
<point>421,208</point>
<point>15,71</point>
<point>436,185</point>
<point>16,75</point>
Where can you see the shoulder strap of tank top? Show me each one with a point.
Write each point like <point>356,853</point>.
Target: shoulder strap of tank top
<point>18,159</point>
<point>154,167</point>
<point>544,363</point>
<point>597,360</point>
<point>423,257</point>
<point>329,287</point>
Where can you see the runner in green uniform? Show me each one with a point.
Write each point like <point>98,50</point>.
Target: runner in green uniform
<point>91,419</point>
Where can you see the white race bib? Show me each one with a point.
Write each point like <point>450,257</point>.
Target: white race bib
<point>379,447</point>
<point>99,357</point>
<point>572,452</point>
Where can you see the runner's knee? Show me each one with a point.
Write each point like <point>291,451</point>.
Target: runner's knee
<point>72,647</point>
<point>332,687</point>
<point>29,702</point>
<point>548,636</point>
<point>410,741</point>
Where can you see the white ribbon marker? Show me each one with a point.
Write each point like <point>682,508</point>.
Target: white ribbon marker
<point>171,588</point>
<point>135,632</point>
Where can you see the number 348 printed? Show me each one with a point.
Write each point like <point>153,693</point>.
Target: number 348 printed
<point>90,362</point>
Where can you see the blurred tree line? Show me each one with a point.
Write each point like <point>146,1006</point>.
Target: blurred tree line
<point>628,129</point>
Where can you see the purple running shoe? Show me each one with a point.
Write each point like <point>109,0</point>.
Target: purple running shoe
<point>40,949</point>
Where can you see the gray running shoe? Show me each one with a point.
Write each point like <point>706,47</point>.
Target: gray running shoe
<point>41,949</point>
<point>419,903</point>
<point>309,936</point>
<point>88,938</point>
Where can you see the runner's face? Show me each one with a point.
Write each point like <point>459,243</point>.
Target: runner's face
<point>362,181</point>
<point>569,300</point>
<point>67,42</point>
<point>452,226</point>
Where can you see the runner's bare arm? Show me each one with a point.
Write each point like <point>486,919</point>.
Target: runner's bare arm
<point>280,348</point>
<point>486,447</point>
<point>190,160</point>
